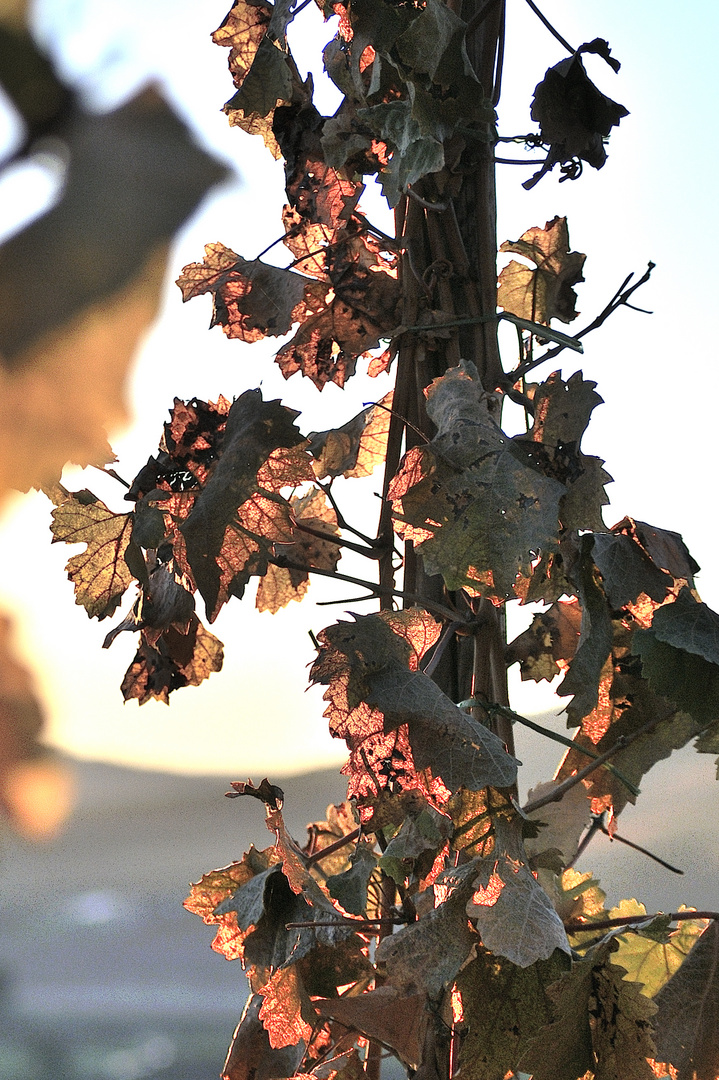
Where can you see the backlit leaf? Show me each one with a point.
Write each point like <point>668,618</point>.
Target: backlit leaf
<point>650,959</point>
<point>476,511</point>
<point>279,585</point>
<point>545,292</point>
<point>173,660</point>
<point>286,1014</point>
<point>100,574</point>
<point>251,1057</point>
<point>356,448</point>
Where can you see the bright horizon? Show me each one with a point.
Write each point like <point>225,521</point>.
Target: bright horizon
<point>651,201</point>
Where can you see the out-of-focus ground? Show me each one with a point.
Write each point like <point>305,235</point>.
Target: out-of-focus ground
<point>106,977</point>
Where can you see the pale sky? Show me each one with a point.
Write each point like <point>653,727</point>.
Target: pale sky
<point>653,200</point>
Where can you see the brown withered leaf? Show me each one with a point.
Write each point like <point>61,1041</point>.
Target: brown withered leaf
<point>251,1057</point>
<point>255,429</point>
<point>267,85</point>
<point>281,585</point>
<point>552,637</point>
<point>374,688</point>
<point>340,820</point>
<point>320,194</point>
<point>307,241</point>
<point>171,661</point>
<point>399,1023</point>
<point>241,31</point>
<point>286,1014</point>
<point>545,292</point>
<point>251,300</point>
<point>163,602</point>
<point>575,117</point>
<point>356,448</point>
<point>100,574</point>
<point>687,1020</point>
<point>207,893</point>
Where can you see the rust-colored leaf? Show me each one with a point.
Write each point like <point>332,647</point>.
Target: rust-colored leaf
<point>100,574</point>
<point>399,1023</point>
<point>356,448</point>
<point>207,893</point>
<point>314,515</point>
<point>173,660</point>
<point>286,1014</point>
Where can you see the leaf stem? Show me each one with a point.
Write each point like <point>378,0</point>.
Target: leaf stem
<point>331,538</point>
<point>549,734</point>
<point>348,838</point>
<point>560,791</point>
<point>552,30</point>
<point>601,827</point>
<point>341,520</point>
<point>376,590</point>
<point>628,920</point>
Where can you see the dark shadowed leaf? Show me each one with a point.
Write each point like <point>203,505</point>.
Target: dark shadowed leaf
<point>627,570</point>
<point>172,660</point>
<point>552,637</point>
<point>399,1023</point>
<point>651,954</point>
<point>595,641</point>
<point>251,1057</point>
<point>687,1019</point>
<point>350,887</point>
<point>503,1007</point>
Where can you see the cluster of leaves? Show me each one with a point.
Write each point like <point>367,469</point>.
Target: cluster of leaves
<point>501,962</point>
<point>209,514</point>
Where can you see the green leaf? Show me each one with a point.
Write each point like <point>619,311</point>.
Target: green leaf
<point>685,678</point>
<point>100,574</point>
<point>649,955</point>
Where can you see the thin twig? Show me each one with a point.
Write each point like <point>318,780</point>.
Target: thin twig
<point>554,735</point>
<point>358,923</point>
<point>618,300</point>
<point>348,838</point>
<point>376,590</point>
<point>515,161</point>
<point>554,32</point>
<point>331,538</point>
<point>438,206</point>
<point>447,635</point>
<point>637,847</point>
<point>341,520</point>
<point>113,474</point>
<point>561,790</point>
<point>575,927</point>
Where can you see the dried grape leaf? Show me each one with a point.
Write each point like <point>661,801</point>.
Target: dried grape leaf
<point>601,1024</point>
<point>254,429</point>
<point>350,887</point>
<point>472,504</point>
<point>280,585</point>
<point>172,660</point>
<point>515,916</point>
<point>356,448</point>
<point>286,1014</point>
<point>251,300</point>
<point>251,1057</point>
<point>575,117</point>
<point>266,85</point>
<point>545,292</point>
<point>209,892</point>
<point>564,821</point>
<point>424,957</point>
<point>100,574</point>
<point>587,667</point>
<point>665,548</point>
<point>242,31</point>
<point>687,1020</point>
<point>503,1007</point>
<point>399,1023</point>
<point>552,637</point>
<point>627,570</point>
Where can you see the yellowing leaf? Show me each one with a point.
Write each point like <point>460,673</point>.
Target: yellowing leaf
<point>356,448</point>
<point>648,960</point>
<point>546,292</point>
<point>100,574</point>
